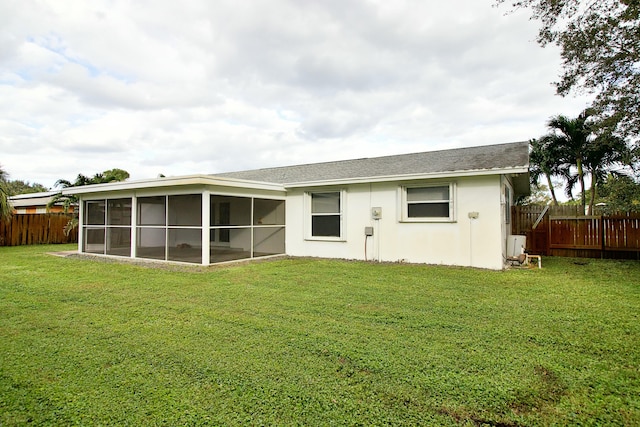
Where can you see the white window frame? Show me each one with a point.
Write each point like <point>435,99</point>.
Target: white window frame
<point>309,215</point>
<point>508,202</point>
<point>452,203</point>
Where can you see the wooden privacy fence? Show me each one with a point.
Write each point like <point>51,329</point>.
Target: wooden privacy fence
<point>562,231</point>
<point>34,229</point>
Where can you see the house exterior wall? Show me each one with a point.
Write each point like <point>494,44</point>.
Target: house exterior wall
<point>36,203</point>
<point>464,241</point>
<point>506,201</point>
<point>35,210</point>
<point>474,234</point>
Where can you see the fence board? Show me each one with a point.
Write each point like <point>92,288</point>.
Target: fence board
<point>34,229</point>
<point>565,232</point>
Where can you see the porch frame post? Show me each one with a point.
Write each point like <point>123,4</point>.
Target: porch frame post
<point>206,215</point>
<point>251,228</point>
<point>134,225</point>
<point>80,223</point>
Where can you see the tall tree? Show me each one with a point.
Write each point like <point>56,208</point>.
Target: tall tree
<point>576,148</point>
<point>570,137</point>
<point>6,210</point>
<point>599,44</point>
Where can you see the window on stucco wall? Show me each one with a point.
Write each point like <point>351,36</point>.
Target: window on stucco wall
<point>428,203</point>
<point>326,214</point>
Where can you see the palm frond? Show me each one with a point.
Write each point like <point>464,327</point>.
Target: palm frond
<point>71,225</point>
<point>6,210</point>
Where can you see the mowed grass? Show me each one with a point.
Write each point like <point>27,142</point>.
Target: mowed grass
<point>317,342</point>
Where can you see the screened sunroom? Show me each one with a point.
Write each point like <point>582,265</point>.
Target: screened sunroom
<point>186,223</point>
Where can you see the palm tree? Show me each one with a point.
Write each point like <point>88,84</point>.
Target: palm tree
<point>580,144</point>
<point>545,161</point>
<point>572,138</point>
<point>6,210</point>
<point>67,201</point>
<point>111,175</point>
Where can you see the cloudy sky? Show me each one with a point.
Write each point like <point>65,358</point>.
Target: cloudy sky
<point>203,86</point>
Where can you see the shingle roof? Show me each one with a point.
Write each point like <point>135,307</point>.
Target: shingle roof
<point>501,156</point>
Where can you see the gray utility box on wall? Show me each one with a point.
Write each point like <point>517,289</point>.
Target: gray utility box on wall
<point>368,231</point>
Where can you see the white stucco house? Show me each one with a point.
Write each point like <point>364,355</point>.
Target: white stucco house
<point>442,207</point>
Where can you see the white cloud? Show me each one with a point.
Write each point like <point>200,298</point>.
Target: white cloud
<point>204,87</point>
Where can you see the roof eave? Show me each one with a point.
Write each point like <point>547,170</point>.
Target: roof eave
<point>38,195</point>
<point>210,180</point>
<point>181,181</point>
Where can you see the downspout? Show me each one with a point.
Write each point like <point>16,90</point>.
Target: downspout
<point>376,240</point>
<point>472,217</point>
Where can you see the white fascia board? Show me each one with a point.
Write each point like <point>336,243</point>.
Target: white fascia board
<point>411,177</point>
<point>19,203</point>
<point>43,194</point>
<point>180,181</point>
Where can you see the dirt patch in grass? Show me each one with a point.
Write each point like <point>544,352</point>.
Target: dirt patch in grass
<point>162,265</point>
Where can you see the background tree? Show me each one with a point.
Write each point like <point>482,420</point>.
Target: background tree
<point>539,196</point>
<point>619,193</point>
<point>603,154</point>
<point>600,49</point>
<point>111,175</point>
<point>6,210</point>
<point>24,187</point>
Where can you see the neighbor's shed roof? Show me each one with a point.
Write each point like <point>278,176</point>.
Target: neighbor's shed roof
<point>501,158</point>
<point>32,199</point>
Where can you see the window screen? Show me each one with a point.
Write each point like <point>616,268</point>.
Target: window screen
<point>325,214</point>
<point>429,202</point>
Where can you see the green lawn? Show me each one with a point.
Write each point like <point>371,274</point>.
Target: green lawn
<point>317,342</point>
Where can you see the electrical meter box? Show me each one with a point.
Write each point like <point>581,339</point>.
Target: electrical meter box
<point>376,213</point>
